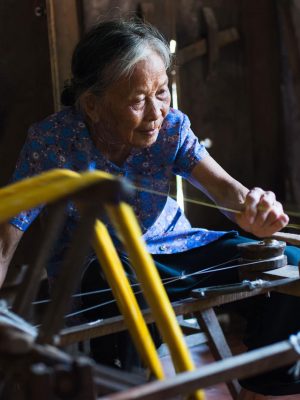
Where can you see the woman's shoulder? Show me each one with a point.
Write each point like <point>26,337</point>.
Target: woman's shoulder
<point>66,119</point>
<point>174,118</point>
<point>175,122</point>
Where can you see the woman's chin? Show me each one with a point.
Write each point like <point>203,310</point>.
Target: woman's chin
<point>147,140</point>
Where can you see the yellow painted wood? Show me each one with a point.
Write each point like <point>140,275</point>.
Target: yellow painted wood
<point>56,184</point>
<point>44,188</point>
<point>35,181</point>
<point>126,223</point>
<point>127,303</point>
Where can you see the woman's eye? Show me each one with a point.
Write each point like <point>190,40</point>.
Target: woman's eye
<point>138,103</point>
<point>163,92</point>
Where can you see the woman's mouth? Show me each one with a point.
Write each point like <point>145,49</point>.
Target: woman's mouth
<point>149,132</point>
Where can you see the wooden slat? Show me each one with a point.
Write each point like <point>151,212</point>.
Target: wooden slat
<point>63,33</point>
<point>199,48</point>
<point>291,238</point>
<point>116,324</point>
<point>240,366</point>
<point>217,343</point>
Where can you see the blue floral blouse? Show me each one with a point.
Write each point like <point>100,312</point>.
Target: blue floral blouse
<point>63,141</point>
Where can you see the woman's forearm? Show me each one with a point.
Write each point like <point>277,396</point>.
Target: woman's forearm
<point>9,239</point>
<point>219,186</point>
<point>255,211</point>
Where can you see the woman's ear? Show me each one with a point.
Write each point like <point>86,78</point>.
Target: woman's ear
<point>89,103</point>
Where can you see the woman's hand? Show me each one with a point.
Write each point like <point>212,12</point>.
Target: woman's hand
<point>262,215</point>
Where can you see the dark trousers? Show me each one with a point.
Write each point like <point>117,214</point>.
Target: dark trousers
<point>269,319</point>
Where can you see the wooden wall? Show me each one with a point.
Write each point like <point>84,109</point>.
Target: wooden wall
<point>29,75</point>
<point>216,99</point>
<point>237,105</point>
<point>289,21</point>
<point>25,77</point>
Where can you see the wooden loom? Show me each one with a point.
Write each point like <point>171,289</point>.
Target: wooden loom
<point>59,370</point>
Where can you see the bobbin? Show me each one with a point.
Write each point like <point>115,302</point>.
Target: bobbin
<point>270,250</point>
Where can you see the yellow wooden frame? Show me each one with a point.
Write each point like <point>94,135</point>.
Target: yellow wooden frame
<point>56,184</point>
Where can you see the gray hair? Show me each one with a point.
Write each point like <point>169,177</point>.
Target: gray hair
<point>110,51</point>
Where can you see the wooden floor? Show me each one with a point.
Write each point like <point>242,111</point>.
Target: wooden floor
<point>201,356</point>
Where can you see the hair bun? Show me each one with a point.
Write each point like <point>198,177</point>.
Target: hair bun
<point>68,94</point>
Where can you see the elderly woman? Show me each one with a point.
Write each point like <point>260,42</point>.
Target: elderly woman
<point>118,119</point>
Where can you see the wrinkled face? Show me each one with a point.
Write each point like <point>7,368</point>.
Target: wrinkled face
<point>132,109</point>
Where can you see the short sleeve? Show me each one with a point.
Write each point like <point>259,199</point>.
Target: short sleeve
<point>190,151</point>
<point>31,161</point>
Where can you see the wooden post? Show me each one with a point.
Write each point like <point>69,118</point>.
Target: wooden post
<point>63,32</point>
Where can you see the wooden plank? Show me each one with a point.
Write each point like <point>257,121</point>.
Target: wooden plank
<point>217,343</point>
<point>20,352</point>
<point>63,33</point>
<point>240,366</point>
<point>192,340</point>
<point>116,324</point>
<point>291,238</point>
<point>199,48</point>
<point>289,271</point>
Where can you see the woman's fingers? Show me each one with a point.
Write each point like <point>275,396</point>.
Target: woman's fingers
<point>268,209</point>
<point>263,215</point>
<point>252,202</point>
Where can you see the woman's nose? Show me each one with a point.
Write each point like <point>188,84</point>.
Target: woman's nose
<point>153,110</point>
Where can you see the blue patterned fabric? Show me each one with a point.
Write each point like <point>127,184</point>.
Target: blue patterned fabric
<point>63,141</point>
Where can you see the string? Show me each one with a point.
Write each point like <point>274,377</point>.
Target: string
<point>210,205</point>
<point>166,280</point>
<point>187,199</point>
<point>213,268</point>
<point>100,291</point>
<point>191,200</point>
<point>83,294</point>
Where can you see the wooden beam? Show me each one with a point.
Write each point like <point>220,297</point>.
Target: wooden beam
<point>218,345</point>
<point>291,238</point>
<point>241,366</point>
<point>63,33</point>
<point>117,324</point>
<point>200,47</point>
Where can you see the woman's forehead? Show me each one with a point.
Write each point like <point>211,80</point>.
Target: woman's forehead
<point>146,75</point>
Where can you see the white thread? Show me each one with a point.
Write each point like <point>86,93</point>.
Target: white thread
<point>168,281</point>
<point>9,318</point>
<point>295,342</point>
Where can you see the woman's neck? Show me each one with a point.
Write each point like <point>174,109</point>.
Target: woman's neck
<point>116,153</point>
